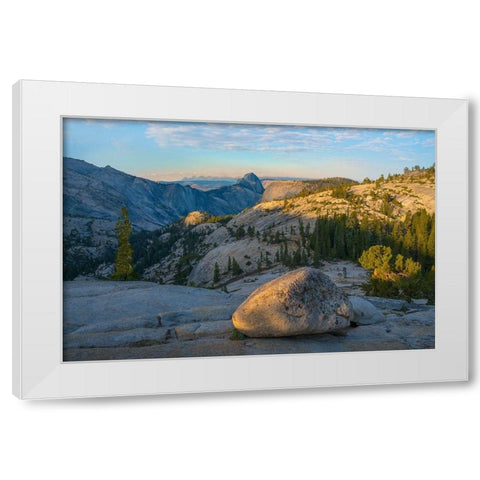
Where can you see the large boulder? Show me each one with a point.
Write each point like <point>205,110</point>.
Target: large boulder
<point>365,313</point>
<point>304,301</point>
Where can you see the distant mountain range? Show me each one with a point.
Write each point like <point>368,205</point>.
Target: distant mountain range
<point>206,185</point>
<point>208,178</point>
<point>93,192</point>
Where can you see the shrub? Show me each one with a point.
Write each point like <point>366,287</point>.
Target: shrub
<point>376,258</point>
<point>237,335</point>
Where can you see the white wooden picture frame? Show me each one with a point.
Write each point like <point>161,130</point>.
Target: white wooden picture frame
<point>38,369</point>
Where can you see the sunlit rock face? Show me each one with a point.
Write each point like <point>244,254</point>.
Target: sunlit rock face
<point>304,301</point>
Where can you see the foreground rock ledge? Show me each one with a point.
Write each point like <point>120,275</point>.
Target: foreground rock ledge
<point>304,301</point>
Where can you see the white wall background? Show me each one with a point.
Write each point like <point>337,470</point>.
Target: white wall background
<point>371,47</point>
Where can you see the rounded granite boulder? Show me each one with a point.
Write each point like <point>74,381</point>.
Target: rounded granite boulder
<point>365,313</point>
<point>304,301</point>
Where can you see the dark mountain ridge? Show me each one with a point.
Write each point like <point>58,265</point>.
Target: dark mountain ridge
<point>99,193</point>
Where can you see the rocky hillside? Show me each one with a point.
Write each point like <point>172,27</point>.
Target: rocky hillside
<point>93,198</point>
<point>280,189</point>
<point>387,199</point>
<point>276,232</point>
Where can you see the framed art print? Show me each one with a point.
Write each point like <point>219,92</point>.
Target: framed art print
<point>173,240</point>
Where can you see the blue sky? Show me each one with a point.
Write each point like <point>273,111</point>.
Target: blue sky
<point>175,150</point>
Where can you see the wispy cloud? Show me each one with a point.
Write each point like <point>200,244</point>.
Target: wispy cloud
<point>428,142</point>
<point>401,143</point>
<point>376,144</point>
<point>278,139</point>
<point>239,137</point>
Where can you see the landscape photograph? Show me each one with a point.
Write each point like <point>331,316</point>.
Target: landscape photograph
<point>196,239</point>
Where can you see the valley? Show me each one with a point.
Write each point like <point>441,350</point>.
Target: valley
<point>194,272</point>
<point>284,231</point>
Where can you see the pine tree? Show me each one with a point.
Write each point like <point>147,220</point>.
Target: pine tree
<point>412,268</point>
<point>268,262</point>
<point>301,228</point>
<point>304,258</point>
<point>286,255</point>
<point>431,242</point>
<point>377,258</point>
<point>124,260</point>
<point>236,270</point>
<point>316,253</point>
<point>216,273</point>
<point>399,263</point>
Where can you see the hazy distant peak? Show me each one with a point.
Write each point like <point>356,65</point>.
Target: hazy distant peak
<point>212,178</point>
